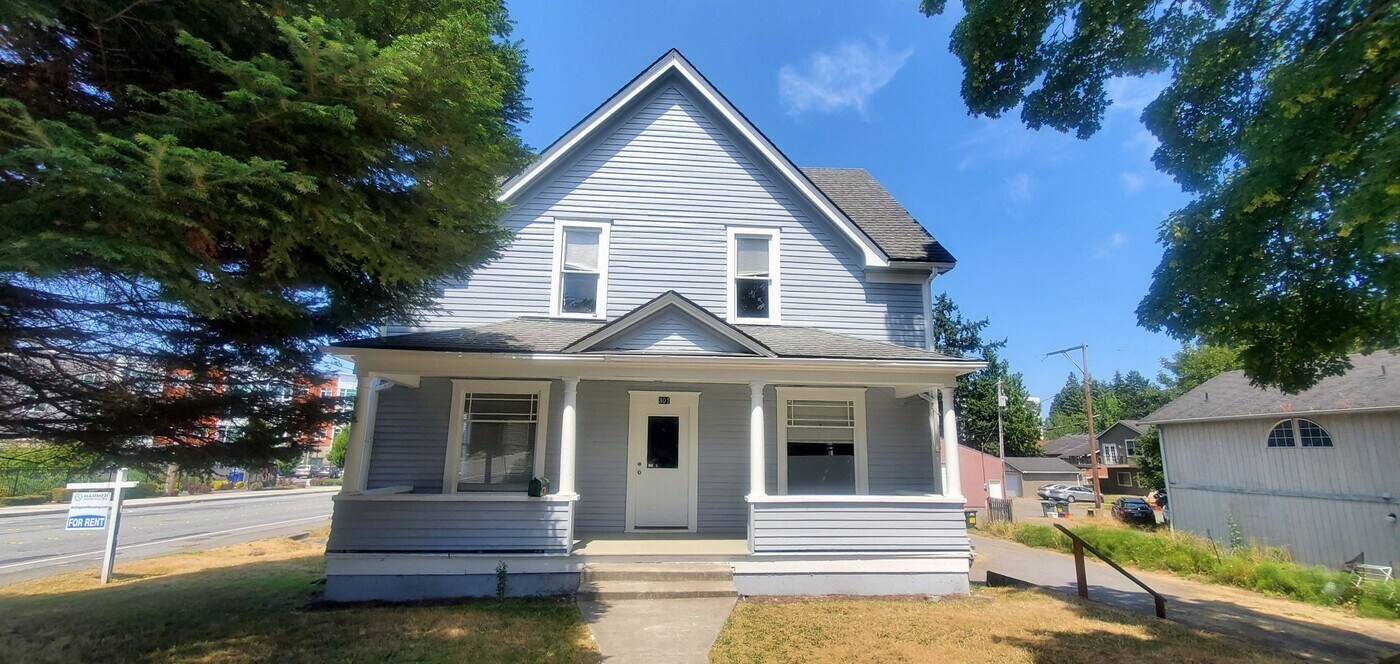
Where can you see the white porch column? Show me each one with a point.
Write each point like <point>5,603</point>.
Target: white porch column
<point>757,477</point>
<point>934,422</point>
<point>950,445</point>
<point>361,436</point>
<point>568,438</point>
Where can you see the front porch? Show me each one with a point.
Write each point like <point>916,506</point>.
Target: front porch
<point>753,450</point>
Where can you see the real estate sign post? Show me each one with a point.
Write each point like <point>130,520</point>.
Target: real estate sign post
<point>98,505</point>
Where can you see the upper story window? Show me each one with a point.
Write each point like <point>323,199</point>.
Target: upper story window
<point>580,270</point>
<point>1131,445</point>
<point>1289,433</point>
<point>753,275</point>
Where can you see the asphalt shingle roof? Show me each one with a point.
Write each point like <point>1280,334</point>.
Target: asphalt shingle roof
<point>547,335</point>
<point>878,214</point>
<point>1367,385</point>
<point>1074,444</point>
<point>1041,465</point>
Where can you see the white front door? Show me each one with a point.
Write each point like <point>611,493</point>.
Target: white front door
<point>994,489</point>
<point>661,451</point>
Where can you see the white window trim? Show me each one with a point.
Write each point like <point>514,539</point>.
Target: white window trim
<point>460,389</point>
<point>556,277</point>
<point>1122,482</point>
<point>855,395</point>
<point>1298,436</point>
<point>775,287</point>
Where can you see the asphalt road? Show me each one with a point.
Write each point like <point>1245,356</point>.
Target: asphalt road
<point>37,545</point>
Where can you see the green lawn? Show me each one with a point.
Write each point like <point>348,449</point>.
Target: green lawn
<point>252,603</point>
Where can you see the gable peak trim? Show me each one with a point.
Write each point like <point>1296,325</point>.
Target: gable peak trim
<point>673,62</point>
<point>660,306</point>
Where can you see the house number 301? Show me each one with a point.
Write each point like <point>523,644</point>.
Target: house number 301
<point>664,401</point>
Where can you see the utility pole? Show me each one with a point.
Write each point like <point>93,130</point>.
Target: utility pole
<point>1089,414</point>
<point>1001,435</point>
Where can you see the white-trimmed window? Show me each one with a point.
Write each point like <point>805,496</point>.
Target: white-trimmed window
<point>1125,478</point>
<point>1110,453</point>
<point>1292,432</point>
<point>496,440</point>
<point>1131,445</point>
<point>580,285</point>
<point>754,282</point>
<point>821,441</point>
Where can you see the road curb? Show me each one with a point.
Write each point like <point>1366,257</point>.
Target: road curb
<point>138,503</point>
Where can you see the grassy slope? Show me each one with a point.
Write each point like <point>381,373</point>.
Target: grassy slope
<point>998,625</point>
<point>1263,570</point>
<point>250,602</point>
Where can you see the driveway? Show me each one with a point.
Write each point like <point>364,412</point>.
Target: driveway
<point>1318,633</point>
<point>35,543</point>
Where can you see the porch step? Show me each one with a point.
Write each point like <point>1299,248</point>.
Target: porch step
<point>657,581</point>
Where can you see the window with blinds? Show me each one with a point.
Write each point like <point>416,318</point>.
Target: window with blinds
<point>821,446</point>
<point>498,441</point>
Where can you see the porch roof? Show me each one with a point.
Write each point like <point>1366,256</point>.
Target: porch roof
<point>554,335</point>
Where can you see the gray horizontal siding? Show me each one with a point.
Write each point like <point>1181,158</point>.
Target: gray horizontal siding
<point>670,179</point>
<point>674,335</point>
<point>835,527</point>
<point>451,526</point>
<point>410,435</point>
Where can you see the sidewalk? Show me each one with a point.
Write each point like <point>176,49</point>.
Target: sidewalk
<point>1318,633</point>
<point>136,503</point>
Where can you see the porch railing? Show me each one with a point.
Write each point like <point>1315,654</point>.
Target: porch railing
<point>858,524</point>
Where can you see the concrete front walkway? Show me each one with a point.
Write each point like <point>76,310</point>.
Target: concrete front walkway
<point>659,631</point>
<point>1318,633</point>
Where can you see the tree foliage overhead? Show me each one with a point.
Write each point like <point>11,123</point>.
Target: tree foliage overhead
<point>196,194</point>
<point>976,396</point>
<point>1280,119</point>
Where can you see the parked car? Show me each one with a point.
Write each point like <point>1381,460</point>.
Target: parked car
<point>1046,490</point>
<point>1073,493</point>
<point>302,472</point>
<point>1134,510</point>
<point>327,471</point>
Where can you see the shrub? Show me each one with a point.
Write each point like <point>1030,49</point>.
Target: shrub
<point>12,501</point>
<point>220,485</point>
<point>325,481</point>
<point>4,493</point>
<point>144,490</point>
<point>60,495</point>
<point>197,488</point>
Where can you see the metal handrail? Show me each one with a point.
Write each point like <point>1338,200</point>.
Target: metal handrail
<point>1081,578</point>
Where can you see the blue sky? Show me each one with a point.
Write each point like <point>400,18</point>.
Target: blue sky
<point>1055,237</point>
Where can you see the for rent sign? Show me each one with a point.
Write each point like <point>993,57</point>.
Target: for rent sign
<point>88,510</point>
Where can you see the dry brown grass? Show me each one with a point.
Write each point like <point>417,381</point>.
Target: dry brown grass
<point>994,625</point>
<point>252,602</point>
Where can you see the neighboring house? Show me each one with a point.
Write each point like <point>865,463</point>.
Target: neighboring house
<point>1026,475</point>
<point>1317,472</point>
<point>1118,471</point>
<point>982,477</point>
<point>687,334</point>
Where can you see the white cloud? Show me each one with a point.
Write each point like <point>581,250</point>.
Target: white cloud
<point>1132,182</point>
<point>842,79</point>
<point>1109,245</point>
<point>1131,94</point>
<point>1142,142</point>
<point>1019,187</point>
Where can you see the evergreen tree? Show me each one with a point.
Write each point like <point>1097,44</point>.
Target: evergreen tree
<point>1195,364</point>
<point>197,194</point>
<point>976,397</point>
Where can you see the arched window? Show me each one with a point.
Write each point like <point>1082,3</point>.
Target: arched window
<point>1288,433</point>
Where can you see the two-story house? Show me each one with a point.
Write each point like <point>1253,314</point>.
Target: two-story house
<point>711,354</point>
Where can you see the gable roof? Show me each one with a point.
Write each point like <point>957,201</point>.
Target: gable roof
<point>1074,444</point>
<point>875,210</point>
<point>1040,465</point>
<point>881,234</point>
<point>1367,386</point>
<point>1134,426</point>
<point>660,306</point>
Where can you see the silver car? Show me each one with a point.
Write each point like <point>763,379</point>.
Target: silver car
<point>1073,493</point>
